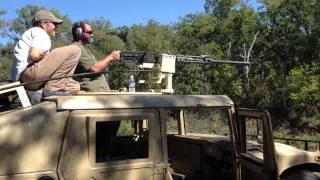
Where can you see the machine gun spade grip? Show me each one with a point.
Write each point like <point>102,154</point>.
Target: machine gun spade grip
<point>139,56</point>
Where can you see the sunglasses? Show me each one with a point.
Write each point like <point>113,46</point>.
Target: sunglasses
<point>89,32</point>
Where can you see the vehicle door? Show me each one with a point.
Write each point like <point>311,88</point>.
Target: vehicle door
<point>257,152</point>
<point>114,144</point>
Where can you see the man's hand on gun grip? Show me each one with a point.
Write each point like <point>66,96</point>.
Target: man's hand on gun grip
<point>115,55</point>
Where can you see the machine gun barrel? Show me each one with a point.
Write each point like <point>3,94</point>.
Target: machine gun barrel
<point>153,57</point>
<point>206,60</point>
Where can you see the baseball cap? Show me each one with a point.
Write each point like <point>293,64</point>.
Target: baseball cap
<point>43,15</point>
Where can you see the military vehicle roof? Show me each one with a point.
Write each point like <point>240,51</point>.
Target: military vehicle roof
<point>101,101</point>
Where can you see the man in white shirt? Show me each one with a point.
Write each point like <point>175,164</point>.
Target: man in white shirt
<point>33,60</point>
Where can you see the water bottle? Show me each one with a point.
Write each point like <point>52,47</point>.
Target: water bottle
<point>132,84</point>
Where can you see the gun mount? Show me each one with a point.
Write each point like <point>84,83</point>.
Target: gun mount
<point>164,64</point>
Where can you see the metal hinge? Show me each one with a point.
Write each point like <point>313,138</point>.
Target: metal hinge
<point>160,168</point>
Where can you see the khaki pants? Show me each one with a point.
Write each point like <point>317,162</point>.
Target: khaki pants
<point>58,63</point>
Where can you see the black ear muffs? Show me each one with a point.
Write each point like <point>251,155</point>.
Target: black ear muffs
<point>77,30</point>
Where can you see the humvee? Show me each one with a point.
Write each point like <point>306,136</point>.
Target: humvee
<point>124,136</point>
<point>143,136</point>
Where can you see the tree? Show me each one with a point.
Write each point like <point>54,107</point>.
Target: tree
<point>5,52</point>
<point>220,7</point>
<point>106,39</point>
<point>220,33</point>
<point>24,21</point>
<point>304,87</point>
<point>2,22</point>
<point>123,33</point>
<point>5,62</point>
<point>287,41</point>
<point>195,36</point>
<point>152,37</point>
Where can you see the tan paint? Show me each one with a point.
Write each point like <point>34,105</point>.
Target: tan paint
<point>31,138</point>
<point>288,156</point>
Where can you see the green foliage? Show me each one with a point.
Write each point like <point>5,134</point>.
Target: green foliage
<point>220,7</point>
<point>5,66</point>
<point>271,3</point>
<point>100,23</point>
<point>125,128</point>
<point>118,78</point>
<point>2,22</point>
<point>5,62</point>
<point>304,84</point>
<point>189,79</point>
<point>207,121</point>
<point>286,131</point>
<point>106,40</point>
<point>105,43</point>
<point>196,36</point>
<point>152,37</point>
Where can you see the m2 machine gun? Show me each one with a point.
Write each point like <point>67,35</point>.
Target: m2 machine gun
<point>164,64</point>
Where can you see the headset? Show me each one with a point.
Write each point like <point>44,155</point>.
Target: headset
<point>77,30</point>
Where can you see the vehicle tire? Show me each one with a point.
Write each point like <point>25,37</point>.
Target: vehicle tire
<point>301,175</point>
<point>46,177</point>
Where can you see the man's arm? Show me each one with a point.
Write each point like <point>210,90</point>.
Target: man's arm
<point>36,54</point>
<point>104,63</point>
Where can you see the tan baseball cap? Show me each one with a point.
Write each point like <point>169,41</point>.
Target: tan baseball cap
<point>43,15</point>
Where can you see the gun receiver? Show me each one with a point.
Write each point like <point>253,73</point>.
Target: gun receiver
<point>140,56</point>
<point>164,64</point>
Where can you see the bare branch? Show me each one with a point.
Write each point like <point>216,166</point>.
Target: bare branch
<point>229,51</point>
<point>249,51</point>
<point>244,51</point>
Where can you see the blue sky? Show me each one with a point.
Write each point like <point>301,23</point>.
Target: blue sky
<point>119,12</point>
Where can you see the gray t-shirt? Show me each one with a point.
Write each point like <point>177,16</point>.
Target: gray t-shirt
<point>33,37</point>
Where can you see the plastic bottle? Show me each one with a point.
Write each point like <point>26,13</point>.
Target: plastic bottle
<point>132,84</point>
